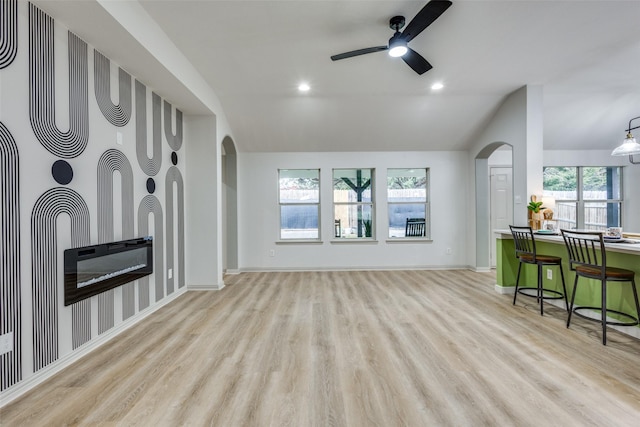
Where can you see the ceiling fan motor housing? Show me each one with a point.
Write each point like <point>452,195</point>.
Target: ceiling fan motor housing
<point>396,23</point>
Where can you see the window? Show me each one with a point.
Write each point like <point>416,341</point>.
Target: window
<point>299,198</point>
<point>586,197</point>
<point>353,203</point>
<point>407,196</point>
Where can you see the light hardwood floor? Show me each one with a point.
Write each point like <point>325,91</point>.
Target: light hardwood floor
<point>400,348</point>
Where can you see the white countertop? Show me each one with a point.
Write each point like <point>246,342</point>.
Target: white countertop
<point>630,248</point>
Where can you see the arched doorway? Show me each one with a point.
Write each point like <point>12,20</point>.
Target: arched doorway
<point>229,206</point>
<point>500,155</point>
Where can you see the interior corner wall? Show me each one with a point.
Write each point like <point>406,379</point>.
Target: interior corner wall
<point>204,245</point>
<point>517,122</point>
<point>89,154</point>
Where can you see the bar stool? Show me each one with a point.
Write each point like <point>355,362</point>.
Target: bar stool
<point>588,258</point>
<point>525,245</point>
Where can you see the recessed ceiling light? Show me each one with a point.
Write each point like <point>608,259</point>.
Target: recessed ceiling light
<point>437,86</point>
<point>304,87</point>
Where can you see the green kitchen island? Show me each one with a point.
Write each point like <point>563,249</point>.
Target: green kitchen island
<point>623,255</point>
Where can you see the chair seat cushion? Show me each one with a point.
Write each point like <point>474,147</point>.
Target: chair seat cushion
<point>544,259</point>
<point>610,272</point>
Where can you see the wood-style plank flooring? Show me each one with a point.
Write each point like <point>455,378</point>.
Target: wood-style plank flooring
<point>381,348</point>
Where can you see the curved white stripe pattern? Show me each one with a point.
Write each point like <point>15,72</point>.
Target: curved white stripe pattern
<point>114,160</point>
<point>42,112</point>
<point>8,32</point>
<point>44,268</point>
<point>150,166</point>
<point>174,176</point>
<point>10,280</point>
<point>118,115</point>
<point>150,204</point>
<point>174,140</point>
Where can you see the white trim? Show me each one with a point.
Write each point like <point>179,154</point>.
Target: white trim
<point>232,271</point>
<point>505,290</point>
<point>365,268</point>
<point>409,240</point>
<point>481,269</point>
<point>17,390</point>
<point>217,287</point>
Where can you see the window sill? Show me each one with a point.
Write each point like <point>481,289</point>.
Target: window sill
<point>357,241</point>
<point>409,240</point>
<point>299,242</point>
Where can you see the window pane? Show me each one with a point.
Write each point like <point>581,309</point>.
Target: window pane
<point>600,215</point>
<point>565,214</point>
<point>601,183</point>
<point>407,185</point>
<point>299,222</point>
<point>299,186</point>
<point>352,185</point>
<point>398,214</point>
<point>560,183</point>
<point>353,221</point>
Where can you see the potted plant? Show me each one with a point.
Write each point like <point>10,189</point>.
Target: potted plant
<point>534,208</point>
<point>366,223</point>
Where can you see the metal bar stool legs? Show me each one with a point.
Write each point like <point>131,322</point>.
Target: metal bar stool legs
<point>587,257</point>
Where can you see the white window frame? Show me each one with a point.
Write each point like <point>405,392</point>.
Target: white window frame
<point>316,203</point>
<point>370,203</point>
<point>581,202</point>
<point>426,202</point>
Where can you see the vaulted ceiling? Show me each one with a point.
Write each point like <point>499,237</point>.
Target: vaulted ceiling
<point>585,55</point>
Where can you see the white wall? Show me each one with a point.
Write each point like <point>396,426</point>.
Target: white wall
<point>259,222</point>
<point>630,177</point>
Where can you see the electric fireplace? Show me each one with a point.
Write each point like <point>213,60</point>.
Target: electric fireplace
<point>91,270</point>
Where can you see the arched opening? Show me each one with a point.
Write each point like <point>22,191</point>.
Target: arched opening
<point>494,198</point>
<point>229,206</point>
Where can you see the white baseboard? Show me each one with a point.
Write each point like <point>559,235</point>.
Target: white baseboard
<point>217,287</point>
<point>370,268</point>
<point>505,290</point>
<point>232,271</point>
<point>44,374</point>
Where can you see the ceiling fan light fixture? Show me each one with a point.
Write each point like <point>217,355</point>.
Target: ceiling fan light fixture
<point>397,48</point>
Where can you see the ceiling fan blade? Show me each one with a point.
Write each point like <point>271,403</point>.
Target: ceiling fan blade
<point>416,62</point>
<point>358,52</point>
<point>429,13</point>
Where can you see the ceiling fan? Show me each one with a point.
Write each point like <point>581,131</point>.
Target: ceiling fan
<point>398,42</point>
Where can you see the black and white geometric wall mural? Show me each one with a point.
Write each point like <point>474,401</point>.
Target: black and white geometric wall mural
<point>78,170</point>
<point>8,32</point>
<point>10,321</point>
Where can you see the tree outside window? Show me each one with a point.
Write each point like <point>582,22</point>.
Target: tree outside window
<point>586,197</point>
<point>353,203</point>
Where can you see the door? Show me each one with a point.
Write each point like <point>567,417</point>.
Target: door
<point>501,203</point>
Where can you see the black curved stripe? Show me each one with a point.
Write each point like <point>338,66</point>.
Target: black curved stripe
<point>10,281</point>
<point>150,204</point>
<point>8,32</point>
<point>118,115</point>
<point>44,272</point>
<point>113,160</point>
<point>174,140</point>
<point>150,166</point>
<point>42,112</point>
<point>174,176</point>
